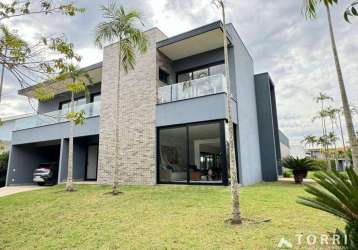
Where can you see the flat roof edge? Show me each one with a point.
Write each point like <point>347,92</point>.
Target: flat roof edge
<point>87,68</point>
<point>190,33</point>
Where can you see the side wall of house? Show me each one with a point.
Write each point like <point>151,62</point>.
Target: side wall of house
<point>136,118</point>
<point>248,133</point>
<point>267,128</point>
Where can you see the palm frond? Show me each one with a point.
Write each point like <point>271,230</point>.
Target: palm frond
<point>127,52</point>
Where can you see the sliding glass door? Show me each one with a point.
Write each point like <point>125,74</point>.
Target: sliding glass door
<point>192,153</point>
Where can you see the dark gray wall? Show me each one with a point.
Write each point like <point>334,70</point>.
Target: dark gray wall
<point>63,160</point>
<point>79,157</point>
<point>54,104</point>
<point>55,131</point>
<point>267,127</point>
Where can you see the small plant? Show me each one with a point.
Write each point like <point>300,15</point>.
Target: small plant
<point>287,174</point>
<point>299,166</point>
<point>4,158</point>
<point>337,194</point>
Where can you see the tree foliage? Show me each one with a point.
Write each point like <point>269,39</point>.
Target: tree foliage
<point>310,8</point>
<point>40,61</point>
<point>20,8</point>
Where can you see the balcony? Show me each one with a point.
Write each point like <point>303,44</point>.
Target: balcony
<point>209,85</point>
<point>58,116</point>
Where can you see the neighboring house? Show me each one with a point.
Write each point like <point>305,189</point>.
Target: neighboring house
<point>284,145</point>
<point>6,128</point>
<point>173,117</point>
<point>341,162</point>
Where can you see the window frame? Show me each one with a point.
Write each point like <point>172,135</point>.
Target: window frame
<point>224,159</point>
<point>191,70</point>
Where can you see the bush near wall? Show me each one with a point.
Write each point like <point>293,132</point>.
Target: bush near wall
<point>4,158</point>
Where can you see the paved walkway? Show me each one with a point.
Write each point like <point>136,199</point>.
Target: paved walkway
<point>305,181</point>
<point>5,191</point>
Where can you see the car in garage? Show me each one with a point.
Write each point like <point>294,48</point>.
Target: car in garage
<point>46,174</point>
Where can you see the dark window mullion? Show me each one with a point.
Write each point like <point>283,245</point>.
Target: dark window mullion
<point>187,155</point>
<point>224,153</point>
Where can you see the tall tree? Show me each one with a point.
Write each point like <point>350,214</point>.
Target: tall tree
<point>310,140</point>
<point>120,25</point>
<point>311,7</point>
<point>32,62</point>
<point>76,82</point>
<point>234,185</point>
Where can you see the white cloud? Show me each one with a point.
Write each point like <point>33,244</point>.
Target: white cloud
<point>295,51</point>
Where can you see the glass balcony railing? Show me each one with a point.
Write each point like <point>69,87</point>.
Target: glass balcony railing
<point>90,109</point>
<point>194,88</point>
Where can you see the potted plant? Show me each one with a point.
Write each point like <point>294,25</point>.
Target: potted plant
<point>299,166</point>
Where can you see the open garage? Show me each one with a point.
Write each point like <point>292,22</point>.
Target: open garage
<point>25,158</point>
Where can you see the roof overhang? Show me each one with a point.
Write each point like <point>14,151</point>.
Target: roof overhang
<point>94,71</point>
<point>199,40</point>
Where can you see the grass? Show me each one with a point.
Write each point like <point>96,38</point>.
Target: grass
<point>156,217</point>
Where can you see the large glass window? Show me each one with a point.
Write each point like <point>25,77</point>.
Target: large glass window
<point>173,155</point>
<point>200,73</point>
<point>65,106</point>
<point>205,153</point>
<point>192,154</point>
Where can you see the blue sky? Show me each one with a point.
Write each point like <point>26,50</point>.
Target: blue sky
<point>295,51</point>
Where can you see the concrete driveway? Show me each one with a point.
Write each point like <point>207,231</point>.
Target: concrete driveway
<point>5,191</point>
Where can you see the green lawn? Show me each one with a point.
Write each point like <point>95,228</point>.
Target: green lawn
<point>156,217</point>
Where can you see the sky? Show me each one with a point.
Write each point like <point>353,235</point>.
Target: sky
<point>295,51</point>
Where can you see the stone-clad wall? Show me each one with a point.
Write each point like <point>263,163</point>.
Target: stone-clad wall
<point>137,116</point>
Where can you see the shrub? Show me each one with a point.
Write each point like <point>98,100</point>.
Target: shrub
<point>4,158</point>
<point>337,194</point>
<point>299,166</point>
<point>287,174</point>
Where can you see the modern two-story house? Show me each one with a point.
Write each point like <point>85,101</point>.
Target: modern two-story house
<point>173,117</point>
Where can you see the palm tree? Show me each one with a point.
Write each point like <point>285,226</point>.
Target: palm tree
<point>120,25</point>
<point>322,114</point>
<point>324,142</point>
<point>322,98</point>
<point>311,6</point>
<point>75,82</point>
<point>331,113</point>
<point>310,140</point>
<point>336,194</point>
<point>234,186</point>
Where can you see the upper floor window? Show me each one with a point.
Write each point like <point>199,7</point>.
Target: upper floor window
<point>163,76</point>
<point>200,73</point>
<point>66,105</point>
<point>96,97</point>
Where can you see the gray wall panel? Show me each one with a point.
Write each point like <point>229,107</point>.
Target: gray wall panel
<point>55,131</point>
<point>247,136</point>
<point>192,110</point>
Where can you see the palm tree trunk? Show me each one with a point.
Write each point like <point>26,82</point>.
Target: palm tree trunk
<point>236,214</point>
<point>117,160</point>
<point>334,144</point>
<point>341,131</point>
<point>346,108</point>
<point>69,183</point>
